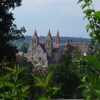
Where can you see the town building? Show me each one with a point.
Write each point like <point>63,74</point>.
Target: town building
<point>81,46</point>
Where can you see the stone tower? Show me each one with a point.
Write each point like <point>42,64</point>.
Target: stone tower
<point>49,44</point>
<point>35,39</point>
<point>57,41</point>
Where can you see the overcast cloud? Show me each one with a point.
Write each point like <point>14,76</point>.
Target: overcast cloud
<point>65,15</point>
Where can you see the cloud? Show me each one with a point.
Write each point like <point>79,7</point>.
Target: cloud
<point>96,4</point>
<point>47,6</point>
<point>51,7</point>
<point>65,15</point>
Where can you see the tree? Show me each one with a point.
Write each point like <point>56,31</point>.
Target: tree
<point>8,30</point>
<point>91,79</point>
<point>24,48</point>
<point>46,87</point>
<point>67,74</point>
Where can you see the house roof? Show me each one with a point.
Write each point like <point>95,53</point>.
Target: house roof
<point>75,43</point>
<point>81,45</point>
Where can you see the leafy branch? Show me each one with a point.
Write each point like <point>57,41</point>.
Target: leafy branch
<point>94,20</point>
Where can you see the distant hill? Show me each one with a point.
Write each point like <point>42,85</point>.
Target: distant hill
<point>62,39</point>
<point>26,41</point>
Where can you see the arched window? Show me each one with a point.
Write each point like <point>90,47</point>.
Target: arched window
<point>34,41</point>
<point>48,43</point>
<point>39,58</point>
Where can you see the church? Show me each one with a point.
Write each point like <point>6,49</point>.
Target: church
<point>45,53</point>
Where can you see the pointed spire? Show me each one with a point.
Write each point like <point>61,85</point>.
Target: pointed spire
<point>57,37</point>
<point>49,35</point>
<point>35,35</point>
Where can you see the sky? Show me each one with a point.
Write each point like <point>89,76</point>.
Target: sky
<point>42,15</point>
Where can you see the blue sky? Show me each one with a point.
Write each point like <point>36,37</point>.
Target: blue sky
<point>42,15</point>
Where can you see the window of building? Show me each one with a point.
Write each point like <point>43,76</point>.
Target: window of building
<point>53,56</point>
<point>39,58</point>
<point>48,43</point>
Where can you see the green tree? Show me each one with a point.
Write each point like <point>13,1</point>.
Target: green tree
<point>67,75</point>
<point>8,30</point>
<point>47,87</point>
<point>24,48</point>
<point>12,85</point>
<point>91,63</point>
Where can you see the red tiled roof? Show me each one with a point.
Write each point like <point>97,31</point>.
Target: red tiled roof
<point>75,43</point>
<point>82,46</point>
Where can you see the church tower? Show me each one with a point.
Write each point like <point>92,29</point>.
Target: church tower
<point>35,39</point>
<point>57,41</point>
<point>49,44</point>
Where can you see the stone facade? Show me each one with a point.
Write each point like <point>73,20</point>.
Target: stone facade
<point>46,53</point>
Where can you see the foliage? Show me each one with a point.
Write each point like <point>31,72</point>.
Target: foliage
<point>67,74</point>
<point>24,48</point>
<point>47,87</point>
<point>94,74</point>
<point>13,81</point>
<point>91,79</point>
<point>92,64</point>
<point>8,30</point>
<point>12,86</point>
<point>94,19</point>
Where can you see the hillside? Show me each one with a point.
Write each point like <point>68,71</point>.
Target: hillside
<point>26,41</point>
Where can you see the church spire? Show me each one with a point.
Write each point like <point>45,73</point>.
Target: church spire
<point>49,44</point>
<point>57,37</point>
<point>35,32</point>
<point>35,36</point>
<point>35,39</point>
<point>49,37</point>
